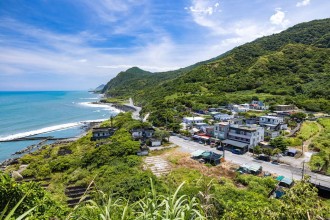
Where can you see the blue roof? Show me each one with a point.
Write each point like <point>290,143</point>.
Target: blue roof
<point>279,178</point>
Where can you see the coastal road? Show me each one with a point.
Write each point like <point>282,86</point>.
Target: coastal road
<point>136,113</point>
<point>280,169</point>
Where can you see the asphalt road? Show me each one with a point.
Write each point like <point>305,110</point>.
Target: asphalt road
<point>280,169</point>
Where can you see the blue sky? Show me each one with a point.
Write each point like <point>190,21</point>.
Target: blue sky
<point>79,44</point>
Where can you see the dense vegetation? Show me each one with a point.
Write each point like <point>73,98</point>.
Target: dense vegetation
<point>321,161</point>
<point>292,67</point>
<point>124,190</point>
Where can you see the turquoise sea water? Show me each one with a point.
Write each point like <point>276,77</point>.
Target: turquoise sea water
<point>56,113</point>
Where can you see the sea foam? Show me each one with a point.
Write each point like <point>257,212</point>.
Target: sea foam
<point>48,129</point>
<point>99,105</point>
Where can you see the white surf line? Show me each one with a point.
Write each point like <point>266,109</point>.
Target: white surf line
<point>40,131</point>
<point>100,105</point>
<point>49,129</point>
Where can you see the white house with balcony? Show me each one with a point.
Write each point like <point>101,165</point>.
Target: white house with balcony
<point>193,120</point>
<point>272,123</point>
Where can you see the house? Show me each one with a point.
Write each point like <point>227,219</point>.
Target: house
<point>200,125</point>
<point>272,134</point>
<point>240,108</point>
<point>213,113</point>
<point>241,138</point>
<point>273,120</point>
<point>139,133</point>
<point>258,105</point>
<point>284,108</point>
<point>272,123</point>
<point>238,137</point>
<point>101,133</point>
<point>251,121</point>
<point>223,117</point>
<point>221,130</point>
<point>208,130</point>
<point>236,121</point>
<point>250,134</point>
<point>193,120</point>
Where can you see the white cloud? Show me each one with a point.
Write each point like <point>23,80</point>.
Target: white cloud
<point>303,3</point>
<point>279,18</point>
<point>204,7</point>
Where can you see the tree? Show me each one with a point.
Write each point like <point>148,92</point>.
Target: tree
<point>298,116</point>
<point>277,152</point>
<point>162,134</point>
<point>257,150</point>
<point>267,151</point>
<point>175,127</point>
<point>279,143</point>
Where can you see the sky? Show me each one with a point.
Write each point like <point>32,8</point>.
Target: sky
<point>80,44</point>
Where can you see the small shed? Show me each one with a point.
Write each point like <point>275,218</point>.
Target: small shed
<point>291,152</point>
<point>197,154</point>
<point>254,169</point>
<point>284,181</point>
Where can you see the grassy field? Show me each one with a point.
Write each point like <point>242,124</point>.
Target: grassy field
<point>321,160</point>
<point>307,130</point>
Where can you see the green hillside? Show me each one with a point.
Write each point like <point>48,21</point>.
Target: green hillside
<point>290,67</point>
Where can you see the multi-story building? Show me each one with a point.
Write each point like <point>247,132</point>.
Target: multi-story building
<point>221,130</point>
<point>242,136</point>
<point>249,134</point>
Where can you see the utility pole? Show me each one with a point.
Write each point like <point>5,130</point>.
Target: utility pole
<point>223,149</point>
<point>303,170</point>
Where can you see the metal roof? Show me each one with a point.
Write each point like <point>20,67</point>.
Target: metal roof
<point>197,153</point>
<point>254,167</point>
<point>235,143</point>
<point>287,181</point>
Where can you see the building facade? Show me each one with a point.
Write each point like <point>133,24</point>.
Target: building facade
<point>250,135</point>
<point>193,120</point>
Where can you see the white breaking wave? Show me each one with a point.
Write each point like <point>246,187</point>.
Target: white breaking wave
<point>40,131</point>
<point>90,98</point>
<point>99,105</point>
<point>62,126</point>
<point>48,129</point>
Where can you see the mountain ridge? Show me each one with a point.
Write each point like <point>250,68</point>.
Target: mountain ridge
<point>293,64</point>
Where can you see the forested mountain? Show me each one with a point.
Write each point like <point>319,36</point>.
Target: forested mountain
<point>290,67</point>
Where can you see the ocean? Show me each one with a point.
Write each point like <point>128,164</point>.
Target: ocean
<point>55,113</point>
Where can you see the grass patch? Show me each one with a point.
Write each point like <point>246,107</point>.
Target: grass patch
<point>320,161</point>
<point>307,130</point>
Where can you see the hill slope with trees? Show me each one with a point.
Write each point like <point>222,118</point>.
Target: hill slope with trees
<point>290,67</point>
